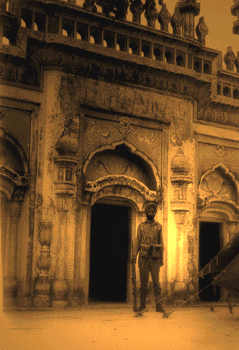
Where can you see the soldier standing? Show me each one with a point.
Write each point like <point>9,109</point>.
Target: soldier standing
<point>149,244</point>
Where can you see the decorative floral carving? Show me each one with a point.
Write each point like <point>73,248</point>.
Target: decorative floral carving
<point>218,184</point>
<point>129,193</point>
<point>94,186</point>
<point>124,126</point>
<point>220,151</point>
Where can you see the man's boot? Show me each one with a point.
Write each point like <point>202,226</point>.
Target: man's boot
<point>143,294</point>
<point>159,307</point>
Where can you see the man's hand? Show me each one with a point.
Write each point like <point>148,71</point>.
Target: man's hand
<point>133,260</point>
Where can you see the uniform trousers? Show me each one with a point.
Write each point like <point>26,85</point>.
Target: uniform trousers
<point>147,266</point>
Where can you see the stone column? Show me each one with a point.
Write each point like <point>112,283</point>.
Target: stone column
<point>10,285</point>
<point>82,255</point>
<point>65,194</point>
<point>59,285</point>
<point>180,205</point>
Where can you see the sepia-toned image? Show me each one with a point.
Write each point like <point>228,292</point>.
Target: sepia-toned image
<point>119,174</point>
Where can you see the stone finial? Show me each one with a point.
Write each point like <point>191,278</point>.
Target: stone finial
<point>121,9</point>
<point>229,59</point>
<point>151,13</point>
<point>202,31</point>
<point>177,21</point>
<point>237,62</point>
<point>106,5</point>
<point>90,5</point>
<point>67,144</point>
<point>137,8</point>
<point>164,18</point>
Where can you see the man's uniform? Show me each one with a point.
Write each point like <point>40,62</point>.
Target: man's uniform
<point>149,244</point>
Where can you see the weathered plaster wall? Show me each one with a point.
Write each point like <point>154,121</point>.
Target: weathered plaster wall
<point>65,96</point>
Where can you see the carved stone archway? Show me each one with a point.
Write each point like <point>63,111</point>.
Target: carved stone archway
<point>113,174</point>
<point>218,198</point>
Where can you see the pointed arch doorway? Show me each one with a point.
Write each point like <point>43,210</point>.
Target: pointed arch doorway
<point>210,243</point>
<point>110,240</point>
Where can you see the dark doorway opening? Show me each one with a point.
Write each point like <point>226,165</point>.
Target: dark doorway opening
<point>109,253</point>
<point>209,246</point>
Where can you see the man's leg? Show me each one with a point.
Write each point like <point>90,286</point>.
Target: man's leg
<point>154,269</point>
<point>144,276</point>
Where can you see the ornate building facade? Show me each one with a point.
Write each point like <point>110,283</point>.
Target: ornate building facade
<point>100,114</point>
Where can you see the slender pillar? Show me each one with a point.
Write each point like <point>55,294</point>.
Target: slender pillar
<point>10,285</point>
<point>60,286</point>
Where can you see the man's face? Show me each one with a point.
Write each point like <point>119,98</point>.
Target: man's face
<point>150,213</point>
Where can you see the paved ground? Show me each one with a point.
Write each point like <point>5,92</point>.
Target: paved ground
<point>112,328</point>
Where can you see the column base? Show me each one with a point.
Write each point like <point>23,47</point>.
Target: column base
<point>41,301</point>
<point>59,304</point>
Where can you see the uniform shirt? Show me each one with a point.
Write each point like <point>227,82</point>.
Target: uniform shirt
<point>148,233</point>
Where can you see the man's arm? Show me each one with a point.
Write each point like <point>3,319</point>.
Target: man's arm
<point>161,242</point>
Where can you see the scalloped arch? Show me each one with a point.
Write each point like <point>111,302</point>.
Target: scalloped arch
<point>133,151</point>
<point>16,145</point>
<point>215,204</point>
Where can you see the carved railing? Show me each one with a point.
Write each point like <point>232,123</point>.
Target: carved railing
<point>145,12</point>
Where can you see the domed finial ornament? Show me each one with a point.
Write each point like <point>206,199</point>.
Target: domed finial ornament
<point>179,164</point>
<point>67,144</point>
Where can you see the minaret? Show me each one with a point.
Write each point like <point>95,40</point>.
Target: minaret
<point>189,9</point>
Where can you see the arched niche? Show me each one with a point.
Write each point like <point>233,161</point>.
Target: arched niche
<point>219,186</point>
<point>14,170</point>
<point>218,199</point>
<point>120,166</point>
